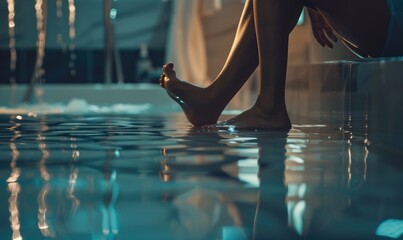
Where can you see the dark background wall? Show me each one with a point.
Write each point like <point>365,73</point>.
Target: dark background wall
<point>137,22</point>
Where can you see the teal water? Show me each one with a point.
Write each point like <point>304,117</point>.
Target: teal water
<point>156,177</point>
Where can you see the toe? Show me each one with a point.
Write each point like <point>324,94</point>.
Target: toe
<point>168,70</point>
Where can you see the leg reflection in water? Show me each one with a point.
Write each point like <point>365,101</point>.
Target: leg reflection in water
<point>271,218</point>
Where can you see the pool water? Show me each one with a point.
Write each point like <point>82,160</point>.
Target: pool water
<point>155,177</point>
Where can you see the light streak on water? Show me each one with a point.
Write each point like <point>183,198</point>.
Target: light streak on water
<point>43,224</point>
<point>72,36</point>
<point>71,190</point>
<point>14,189</point>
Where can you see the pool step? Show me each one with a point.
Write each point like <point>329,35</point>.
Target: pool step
<point>364,96</point>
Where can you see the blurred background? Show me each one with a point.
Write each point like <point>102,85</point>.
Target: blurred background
<point>105,41</point>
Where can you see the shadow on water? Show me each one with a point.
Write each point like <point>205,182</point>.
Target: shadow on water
<point>155,177</point>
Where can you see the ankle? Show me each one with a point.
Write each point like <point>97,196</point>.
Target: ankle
<point>268,108</point>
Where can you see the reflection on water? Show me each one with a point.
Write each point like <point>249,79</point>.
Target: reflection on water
<point>14,189</point>
<point>43,224</point>
<point>75,202</point>
<point>12,182</point>
<point>155,177</point>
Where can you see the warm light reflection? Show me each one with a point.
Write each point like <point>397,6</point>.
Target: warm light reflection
<point>349,165</point>
<point>40,12</point>
<point>70,191</point>
<point>43,225</point>
<point>75,155</point>
<point>357,166</point>
<point>366,152</point>
<point>15,171</point>
<point>32,114</point>
<point>45,155</point>
<point>72,36</point>
<point>14,189</point>
<point>11,44</point>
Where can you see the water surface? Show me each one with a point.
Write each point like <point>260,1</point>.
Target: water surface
<point>155,177</point>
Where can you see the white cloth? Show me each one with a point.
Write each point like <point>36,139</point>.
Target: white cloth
<point>186,46</point>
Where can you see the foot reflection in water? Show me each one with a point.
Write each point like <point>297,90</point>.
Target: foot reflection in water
<point>110,227</point>
<point>271,220</point>
<point>209,208</point>
<point>228,149</point>
<point>299,180</point>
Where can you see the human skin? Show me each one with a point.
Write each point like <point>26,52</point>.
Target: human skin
<point>262,40</point>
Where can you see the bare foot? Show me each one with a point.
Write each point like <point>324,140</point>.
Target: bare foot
<point>197,104</point>
<point>255,119</point>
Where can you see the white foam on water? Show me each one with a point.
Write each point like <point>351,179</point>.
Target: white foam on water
<point>76,106</point>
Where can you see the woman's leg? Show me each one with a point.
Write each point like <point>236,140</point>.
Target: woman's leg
<point>273,21</point>
<point>203,106</point>
<point>362,23</point>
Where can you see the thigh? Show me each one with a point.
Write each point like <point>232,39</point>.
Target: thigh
<point>364,23</point>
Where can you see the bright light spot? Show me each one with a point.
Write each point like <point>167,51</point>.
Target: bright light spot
<point>295,159</point>
<point>301,19</point>
<point>392,228</point>
<point>248,172</point>
<point>75,155</point>
<point>32,114</point>
<point>298,216</point>
<point>252,179</point>
<point>113,176</point>
<point>117,153</point>
<point>113,13</point>
<point>19,117</point>
<point>302,190</point>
